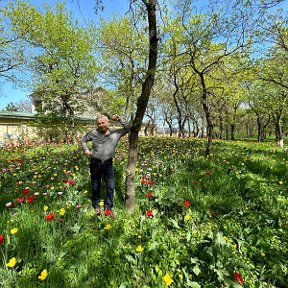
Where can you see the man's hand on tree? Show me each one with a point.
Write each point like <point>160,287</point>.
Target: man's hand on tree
<point>116,117</point>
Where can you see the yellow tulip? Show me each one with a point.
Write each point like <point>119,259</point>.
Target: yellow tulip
<point>12,262</point>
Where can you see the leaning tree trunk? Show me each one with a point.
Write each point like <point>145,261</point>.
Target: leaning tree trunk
<point>141,106</point>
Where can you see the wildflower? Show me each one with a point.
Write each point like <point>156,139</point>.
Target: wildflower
<point>61,211</point>
<point>195,182</point>
<point>43,275</point>
<point>150,182</point>
<point>143,181</point>
<point>13,231</point>
<point>238,278</point>
<point>101,203</point>
<point>9,204</point>
<point>71,182</point>
<point>45,207</point>
<point>25,191</point>
<point>108,226</point>
<point>186,203</point>
<point>209,173</point>
<point>149,195</point>
<point>167,279</point>
<point>107,212</point>
<point>20,200</point>
<point>280,182</point>
<point>149,213</point>
<point>12,262</point>
<point>187,217</point>
<point>140,249</point>
<point>78,206</point>
<point>2,239</point>
<point>65,181</point>
<point>30,199</point>
<point>50,217</point>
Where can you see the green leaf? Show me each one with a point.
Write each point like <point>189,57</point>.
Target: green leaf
<point>174,223</point>
<point>196,270</point>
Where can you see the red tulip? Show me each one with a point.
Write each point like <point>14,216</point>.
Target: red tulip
<point>71,182</point>
<point>149,195</point>
<point>2,239</point>
<point>186,203</point>
<point>107,212</point>
<point>50,217</point>
<point>150,213</point>
<point>30,199</point>
<point>238,278</point>
<point>25,191</point>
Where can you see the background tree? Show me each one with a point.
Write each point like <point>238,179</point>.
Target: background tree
<point>63,64</point>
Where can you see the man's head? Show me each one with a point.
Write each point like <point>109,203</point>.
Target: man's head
<point>102,123</point>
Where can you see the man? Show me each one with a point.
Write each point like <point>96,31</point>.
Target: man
<point>104,142</point>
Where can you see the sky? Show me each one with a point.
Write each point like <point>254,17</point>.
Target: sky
<point>82,10</point>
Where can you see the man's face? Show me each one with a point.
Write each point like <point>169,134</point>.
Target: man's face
<point>102,124</point>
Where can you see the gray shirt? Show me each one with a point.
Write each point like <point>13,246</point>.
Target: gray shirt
<point>103,146</point>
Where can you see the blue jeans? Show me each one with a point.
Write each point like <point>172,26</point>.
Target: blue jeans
<point>99,169</point>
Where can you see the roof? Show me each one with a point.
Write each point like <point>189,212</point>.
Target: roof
<point>21,115</point>
<point>31,116</point>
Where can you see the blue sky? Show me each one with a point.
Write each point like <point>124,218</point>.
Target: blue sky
<point>83,10</point>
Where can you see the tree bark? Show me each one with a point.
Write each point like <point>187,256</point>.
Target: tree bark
<point>142,102</point>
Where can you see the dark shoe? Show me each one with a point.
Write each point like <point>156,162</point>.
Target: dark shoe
<point>97,212</point>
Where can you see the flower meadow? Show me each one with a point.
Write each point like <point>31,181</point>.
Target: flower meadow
<point>217,221</point>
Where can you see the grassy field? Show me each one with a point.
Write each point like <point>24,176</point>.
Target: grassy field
<point>202,222</point>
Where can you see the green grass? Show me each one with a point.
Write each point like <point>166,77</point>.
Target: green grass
<point>236,220</point>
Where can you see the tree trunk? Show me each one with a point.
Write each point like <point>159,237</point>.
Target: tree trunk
<point>232,131</point>
<point>142,102</point>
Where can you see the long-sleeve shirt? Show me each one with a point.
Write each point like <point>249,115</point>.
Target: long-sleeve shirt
<point>103,146</point>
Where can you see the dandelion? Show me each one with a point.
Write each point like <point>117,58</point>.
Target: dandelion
<point>187,217</point>
<point>108,227</point>
<point>140,249</point>
<point>14,231</point>
<point>12,262</point>
<point>43,275</point>
<point>167,279</point>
